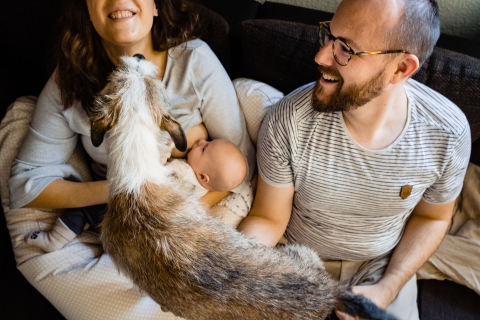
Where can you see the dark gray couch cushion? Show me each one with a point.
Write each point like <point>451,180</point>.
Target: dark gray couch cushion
<point>281,54</point>
<point>214,30</point>
<point>443,300</point>
<point>457,77</point>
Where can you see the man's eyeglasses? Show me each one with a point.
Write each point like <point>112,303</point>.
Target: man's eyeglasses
<point>341,50</point>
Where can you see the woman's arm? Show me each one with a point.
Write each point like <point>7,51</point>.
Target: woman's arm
<point>221,113</point>
<point>213,197</point>
<point>38,173</point>
<point>67,194</point>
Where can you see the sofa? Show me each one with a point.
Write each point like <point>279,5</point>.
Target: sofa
<point>270,42</point>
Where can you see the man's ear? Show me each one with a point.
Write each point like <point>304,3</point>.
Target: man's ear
<point>204,177</point>
<point>406,66</point>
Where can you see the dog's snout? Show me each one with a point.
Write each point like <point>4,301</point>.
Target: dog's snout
<point>139,56</point>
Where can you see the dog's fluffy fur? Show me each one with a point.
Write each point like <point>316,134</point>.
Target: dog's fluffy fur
<point>160,236</point>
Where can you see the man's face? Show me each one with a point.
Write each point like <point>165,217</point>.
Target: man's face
<point>360,24</point>
<point>345,97</point>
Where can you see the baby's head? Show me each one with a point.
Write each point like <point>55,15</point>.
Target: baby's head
<point>218,164</point>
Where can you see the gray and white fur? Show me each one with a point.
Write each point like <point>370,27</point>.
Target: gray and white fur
<point>159,234</point>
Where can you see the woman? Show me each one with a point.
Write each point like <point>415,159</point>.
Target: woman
<point>80,281</point>
<point>96,33</point>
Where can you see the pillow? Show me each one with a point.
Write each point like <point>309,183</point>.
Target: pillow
<point>255,98</point>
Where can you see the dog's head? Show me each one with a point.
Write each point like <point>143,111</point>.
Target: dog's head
<point>133,80</point>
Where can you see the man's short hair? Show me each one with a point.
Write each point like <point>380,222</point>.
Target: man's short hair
<point>418,28</point>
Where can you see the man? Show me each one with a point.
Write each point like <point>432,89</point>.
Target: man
<point>364,165</point>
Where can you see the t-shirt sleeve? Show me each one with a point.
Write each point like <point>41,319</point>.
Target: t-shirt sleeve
<point>277,144</point>
<point>47,147</point>
<point>450,183</point>
<point>221,113</point>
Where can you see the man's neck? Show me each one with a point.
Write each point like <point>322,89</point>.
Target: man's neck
<point>377,124</point>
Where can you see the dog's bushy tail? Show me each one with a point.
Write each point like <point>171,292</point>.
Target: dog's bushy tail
<point>362,307</point>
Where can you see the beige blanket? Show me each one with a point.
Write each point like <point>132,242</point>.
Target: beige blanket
<point>458,257</point>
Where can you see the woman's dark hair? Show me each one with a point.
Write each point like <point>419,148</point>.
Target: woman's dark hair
<point>82,64</point>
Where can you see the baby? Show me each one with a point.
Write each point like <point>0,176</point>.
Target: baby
<point>216,165</point>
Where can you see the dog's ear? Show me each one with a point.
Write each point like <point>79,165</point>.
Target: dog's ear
<point>97,130</point>
<point>176,132</point>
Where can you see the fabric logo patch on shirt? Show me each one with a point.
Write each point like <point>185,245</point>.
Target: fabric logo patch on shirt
<point>405,191</point>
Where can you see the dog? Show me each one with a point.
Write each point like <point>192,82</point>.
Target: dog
<point>160,236</point>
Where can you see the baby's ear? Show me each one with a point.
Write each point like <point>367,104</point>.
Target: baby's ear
<point>204,177</point>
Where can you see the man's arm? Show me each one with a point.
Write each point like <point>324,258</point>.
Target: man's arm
<point>270,213</point>
<point>423,234</point>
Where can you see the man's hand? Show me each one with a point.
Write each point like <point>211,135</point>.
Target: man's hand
<point>379,294</point>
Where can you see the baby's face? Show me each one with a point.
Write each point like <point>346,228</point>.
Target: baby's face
<point>200,155</point>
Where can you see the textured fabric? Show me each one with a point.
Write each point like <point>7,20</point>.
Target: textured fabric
<point>279,53</point>
<point>199,91</point>
<point>183,171</point>
<point>214,30</point>
<point>255,99</point>
<point>457,77</point>
<point>453,259</point>
<point>446,300</point>
<point>347,202</point>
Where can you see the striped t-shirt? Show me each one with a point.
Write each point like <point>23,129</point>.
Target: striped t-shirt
<point>347,202</point>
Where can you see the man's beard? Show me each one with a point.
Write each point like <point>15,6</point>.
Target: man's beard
<point>351,97</point>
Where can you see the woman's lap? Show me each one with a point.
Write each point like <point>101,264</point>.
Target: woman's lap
<point>79,280</point>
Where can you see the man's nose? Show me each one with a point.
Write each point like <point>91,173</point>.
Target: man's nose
<point>324,56</point>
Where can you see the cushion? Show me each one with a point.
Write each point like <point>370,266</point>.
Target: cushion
<point>79,280</point>
<point>281,54</point>
<point>457,77</point>
<point>445,300</point>
<point>234,11</point>
<point>255,98</point>
<point>290,12</point>
<point>214,30</point>
<point>28,35</point>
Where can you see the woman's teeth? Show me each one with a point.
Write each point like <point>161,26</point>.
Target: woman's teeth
<point>121,14</point>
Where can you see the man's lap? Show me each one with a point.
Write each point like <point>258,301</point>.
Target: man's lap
<point>354,273</point>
